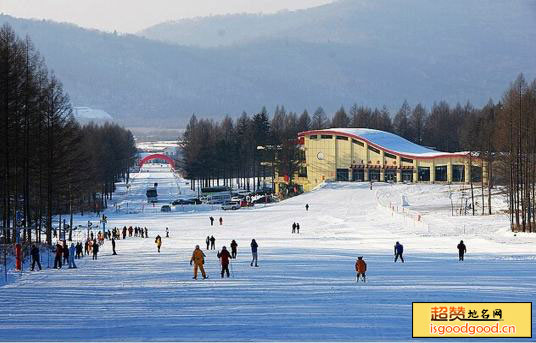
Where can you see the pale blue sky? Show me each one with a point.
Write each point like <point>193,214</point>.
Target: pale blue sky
<point>134,15</point>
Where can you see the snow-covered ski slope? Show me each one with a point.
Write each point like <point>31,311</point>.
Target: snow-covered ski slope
<point>303,290</point>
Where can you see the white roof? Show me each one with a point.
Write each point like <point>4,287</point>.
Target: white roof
<point>388,141</point>
<point>91,113</point>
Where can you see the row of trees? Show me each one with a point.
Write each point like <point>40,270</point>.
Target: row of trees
<point>515,130</point>
<point>499,135</point>
<point>226,150</point>
<point>49,164</point>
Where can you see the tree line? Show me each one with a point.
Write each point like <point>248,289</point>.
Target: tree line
<point>500,135</point>
<point>49,164</point>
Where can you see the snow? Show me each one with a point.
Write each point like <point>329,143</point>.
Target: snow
<point>304,288</point>
<point>389,142</point>
<point>91,113</point>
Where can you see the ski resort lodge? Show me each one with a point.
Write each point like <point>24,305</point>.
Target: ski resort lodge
<point>352,154</point>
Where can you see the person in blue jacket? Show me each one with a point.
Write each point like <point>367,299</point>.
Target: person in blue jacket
<point>254,247</point>
<point>399,250</point>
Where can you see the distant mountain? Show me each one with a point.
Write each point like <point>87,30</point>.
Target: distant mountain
<point>372,52</point>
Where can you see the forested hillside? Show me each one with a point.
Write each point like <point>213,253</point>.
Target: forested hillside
<point>372,53</point>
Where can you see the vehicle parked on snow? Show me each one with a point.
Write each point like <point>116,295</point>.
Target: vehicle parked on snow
<point>216,195</point>
<point>246,203</point>
<point>264,191</point>
<point>265,200</point>
<point>231,205</point>
<point>241,192</point>
<point>238,198</point>
<point>186,202</point>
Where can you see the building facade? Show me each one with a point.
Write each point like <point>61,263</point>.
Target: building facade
<point>353,154</point>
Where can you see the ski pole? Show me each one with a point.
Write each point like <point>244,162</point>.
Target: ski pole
<point>232,272</point>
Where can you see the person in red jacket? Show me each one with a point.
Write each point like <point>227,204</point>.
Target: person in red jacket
<point>224,257</point>
<point>360,268</point>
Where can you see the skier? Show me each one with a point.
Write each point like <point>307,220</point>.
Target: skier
<point>297,227</point>
<point>35,257</point>
<point>167,232</point>
<point>78,250</point>
<point>224,257</point>
<point>293,227</point>
<point>146,233</point>
<point>234,247</point>
<point>399,249</point>
<point>95,249</point>
<point>72,252</point>
<point>307,207</point>
<point>208,242</point>
<point>254,247</point>
<point>360,268</point>
<point>124,232</point>
<point>198,258</point>
<point>59,254</point>
<point>212,243</point>
<point>65,250</point>
<point>113,246</point>
<point>211,221</point>
<point>462,249</point>
<point>86,247</point>
<point>130,231</point>
<point>158,242</point>
<point>221,221</point>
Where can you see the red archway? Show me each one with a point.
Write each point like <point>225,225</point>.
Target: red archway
<point>157,157</point>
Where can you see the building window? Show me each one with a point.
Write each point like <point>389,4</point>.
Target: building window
<point>390,175</point>
<point>386,154</point>
<point>342,174</point>
<point>313,137</point>
<point>374,149</point>
<point>342,138</point>
<point>374,175</point>
<point>326,136</point>
<point>441,173</point>
<point>407,175</point>
<point>476,174</point>
<point>458,173</point>
<point>301,155</point>
<point>407,160</point>
<point>424,173</point>
<point>358,175</point>
<point>358,142</point>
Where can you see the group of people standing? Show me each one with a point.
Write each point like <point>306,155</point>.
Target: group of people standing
<point>295,227</point>
<point>212,220</point>
<point>136,231</point>
<point>66,255</point>
<point>211,241</point>
<point>198,257</point>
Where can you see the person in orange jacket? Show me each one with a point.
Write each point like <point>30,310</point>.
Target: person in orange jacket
<point>198,259</point>
<point>360,268</point>
<point>158,242</point>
